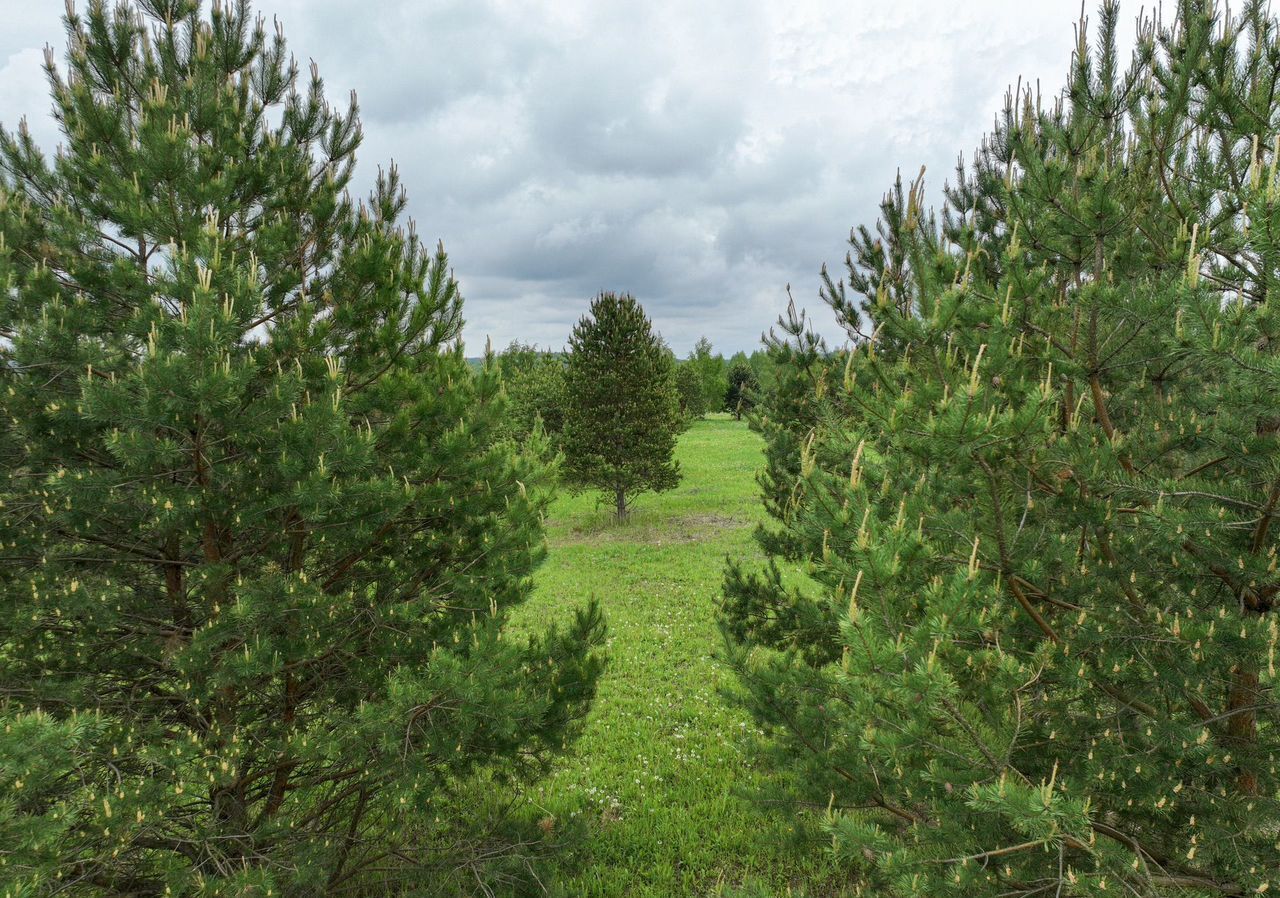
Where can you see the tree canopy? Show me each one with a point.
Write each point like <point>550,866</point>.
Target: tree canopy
<point>622,411</point>
<point>258,535</point>
<point>1035,498</point>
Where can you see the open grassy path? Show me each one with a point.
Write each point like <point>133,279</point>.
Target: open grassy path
<point>659,771</point>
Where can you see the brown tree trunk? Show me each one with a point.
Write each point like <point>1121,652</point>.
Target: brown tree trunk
<point>1242,725</point>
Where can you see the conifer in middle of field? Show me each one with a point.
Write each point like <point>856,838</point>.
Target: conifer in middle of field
<point>622,412</point>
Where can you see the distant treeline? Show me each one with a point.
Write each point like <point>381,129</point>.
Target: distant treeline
<point>705,380</point>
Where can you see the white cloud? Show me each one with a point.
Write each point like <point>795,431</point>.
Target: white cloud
<point>702,157</point>
<point>24,93</point>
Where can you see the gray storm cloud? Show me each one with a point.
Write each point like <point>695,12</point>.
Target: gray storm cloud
<point>699,156</point>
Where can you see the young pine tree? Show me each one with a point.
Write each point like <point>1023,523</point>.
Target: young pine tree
<point>1035,654</point>
<point>743,387</point>
<point>258,537</point>
<point>622,412</point>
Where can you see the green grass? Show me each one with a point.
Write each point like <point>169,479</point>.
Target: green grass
<point>660,777</point>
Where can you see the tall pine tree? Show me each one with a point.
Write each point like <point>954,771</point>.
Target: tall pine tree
<point>1035,654</point>
<point>258,537</point>
<point>622,412</point>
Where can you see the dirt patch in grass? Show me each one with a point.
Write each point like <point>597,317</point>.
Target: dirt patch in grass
<point>666,530</point>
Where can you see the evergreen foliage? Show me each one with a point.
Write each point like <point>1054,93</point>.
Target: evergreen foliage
<point>743,386</point>
<point>1036,502</point>
<point>693,404</point>
<point>258,533</point>
<point>622,412</point>
<point>762,366</point>
<point>534,383</point>
<point>785,415</point>
<point>516,360</point>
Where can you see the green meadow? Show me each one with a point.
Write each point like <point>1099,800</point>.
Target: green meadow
<point>660,780</point>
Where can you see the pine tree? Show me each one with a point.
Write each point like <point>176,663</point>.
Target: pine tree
<point>258,535</point>
<point>622,415</point>
<point>803,367</point>
<point>1035,651</point>
<point>743,386</point>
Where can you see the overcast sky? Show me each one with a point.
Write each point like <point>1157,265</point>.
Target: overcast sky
<point>701,156</point>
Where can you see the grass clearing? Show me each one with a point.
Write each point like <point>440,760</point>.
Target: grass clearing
<point>659,777</point>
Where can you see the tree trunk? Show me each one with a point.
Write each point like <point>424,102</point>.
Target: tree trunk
<point>620,504</point>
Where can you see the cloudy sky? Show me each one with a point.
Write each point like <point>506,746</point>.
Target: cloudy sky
<point>701,156</point>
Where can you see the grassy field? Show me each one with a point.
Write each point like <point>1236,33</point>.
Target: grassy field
<point>659,777</point>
